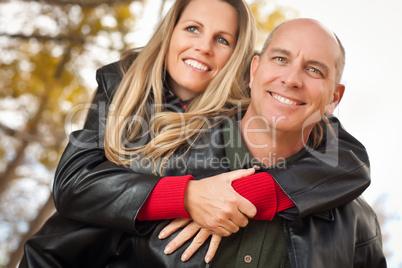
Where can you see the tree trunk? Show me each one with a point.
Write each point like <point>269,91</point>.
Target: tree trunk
<point>43,215</point>
<point>8,174</point>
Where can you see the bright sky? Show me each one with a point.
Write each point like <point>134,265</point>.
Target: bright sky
<point>371,104</point>
<point>369,109</point>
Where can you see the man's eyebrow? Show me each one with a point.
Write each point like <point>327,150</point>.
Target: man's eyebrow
<point>282,51</point>
<point>323,66</point>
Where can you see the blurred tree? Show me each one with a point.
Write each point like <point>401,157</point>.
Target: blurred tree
<point>46,47</point>
<point>268,15</point>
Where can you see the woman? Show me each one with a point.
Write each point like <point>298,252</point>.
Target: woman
<point>111,193</point>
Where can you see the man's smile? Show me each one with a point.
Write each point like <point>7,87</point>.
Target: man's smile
<point>285,100</point>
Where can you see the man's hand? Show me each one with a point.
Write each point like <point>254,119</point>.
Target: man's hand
<point>216,206</point>
<point>191,229</point>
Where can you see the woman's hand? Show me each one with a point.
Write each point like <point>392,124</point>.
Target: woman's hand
<point>191,229</point>
<point>215,205</point>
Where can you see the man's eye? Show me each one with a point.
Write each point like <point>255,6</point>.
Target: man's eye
<point>314,70</point>
<point>222,40</point>
<point>280,59</point>
<point>192,29</point>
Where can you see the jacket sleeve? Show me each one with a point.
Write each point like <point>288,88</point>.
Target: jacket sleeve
<point>334,174</point>
<point>89,188</point>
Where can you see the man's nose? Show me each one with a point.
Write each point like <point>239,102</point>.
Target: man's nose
<point>292,77</point>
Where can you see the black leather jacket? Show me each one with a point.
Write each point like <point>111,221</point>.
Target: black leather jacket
<point>91,192</point>
<point>347,236</point>
<point>91,189</point>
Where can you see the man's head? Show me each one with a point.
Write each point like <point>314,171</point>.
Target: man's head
<point>341,61</point>
<point>296,78</point>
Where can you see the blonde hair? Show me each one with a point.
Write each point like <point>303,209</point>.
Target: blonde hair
<point>139,98</point>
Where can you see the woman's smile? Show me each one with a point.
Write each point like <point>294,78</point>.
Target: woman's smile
<point>197,65</point>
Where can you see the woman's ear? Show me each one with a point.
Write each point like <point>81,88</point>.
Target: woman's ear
<point>337,96</point>
<point>253,68</point>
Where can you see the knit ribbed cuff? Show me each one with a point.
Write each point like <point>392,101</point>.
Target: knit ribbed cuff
<point>259,189</point>
<point>283,200</point>
<point>166,200</point>
<point>266,195</point>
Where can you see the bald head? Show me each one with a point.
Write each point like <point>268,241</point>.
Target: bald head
<point>315,30</point>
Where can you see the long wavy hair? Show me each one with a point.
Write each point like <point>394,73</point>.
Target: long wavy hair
<point>136,113</point>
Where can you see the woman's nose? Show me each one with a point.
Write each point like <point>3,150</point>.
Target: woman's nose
<point>205,45</point>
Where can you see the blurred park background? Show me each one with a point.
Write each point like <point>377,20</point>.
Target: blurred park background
<point>50,50</point>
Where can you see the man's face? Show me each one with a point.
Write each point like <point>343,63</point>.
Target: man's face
<point>293,82</point>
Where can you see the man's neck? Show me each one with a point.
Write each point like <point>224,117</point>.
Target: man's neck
<point>269,145</point>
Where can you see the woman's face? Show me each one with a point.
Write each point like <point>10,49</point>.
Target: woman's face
<point>202,42</point>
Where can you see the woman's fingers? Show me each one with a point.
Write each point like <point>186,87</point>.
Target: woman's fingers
<point>247,208</point>
<point>213,247</point>
<point>201,235</point>
<point>187,233</point>
<point>173,226</point>
<point>215,205</point>
<point>238,174</point>
<point>244,205</point>
<point>197,242</point>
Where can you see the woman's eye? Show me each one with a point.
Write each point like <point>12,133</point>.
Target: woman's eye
<point>222,40</point>
<point>192,29</point>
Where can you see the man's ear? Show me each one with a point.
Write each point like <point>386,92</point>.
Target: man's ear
<point>337,96</point>
<point>253,68</point>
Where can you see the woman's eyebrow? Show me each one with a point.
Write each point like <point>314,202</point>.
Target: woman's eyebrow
<point>202,25</point>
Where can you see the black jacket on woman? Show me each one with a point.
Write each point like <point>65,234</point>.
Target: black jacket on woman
<point>97,201</point>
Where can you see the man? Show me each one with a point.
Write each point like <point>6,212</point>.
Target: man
<point>297,75</point>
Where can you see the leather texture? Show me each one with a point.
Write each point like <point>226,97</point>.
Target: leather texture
<point>97,201</point>
<point>91,189</point>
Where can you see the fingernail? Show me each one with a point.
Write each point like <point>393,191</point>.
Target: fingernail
<point>207,259</point>
<point>161,235</point>
<point>167,250</point>
<point>184,257</point>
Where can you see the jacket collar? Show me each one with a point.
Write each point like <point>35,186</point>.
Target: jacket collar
<point>173,103</point>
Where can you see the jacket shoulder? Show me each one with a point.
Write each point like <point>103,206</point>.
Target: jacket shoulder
<point>366,222</point>
<point>109,76</point>
<point>368,244</point>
